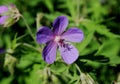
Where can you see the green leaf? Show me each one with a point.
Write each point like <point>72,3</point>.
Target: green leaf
<point>71,7</point>
<point>86,41</point>
<point>34,75</point>
<point>49,5</point>
<point>104,31</point>
<point>110,48</point>
<point>7,40</point>
<point>6,80</point>
<point>91,47</point>
<point>58,67</point>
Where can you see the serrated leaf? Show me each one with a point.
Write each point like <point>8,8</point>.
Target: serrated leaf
<point>104,31</point>
<point>86,41</point>
<point>110,48</point>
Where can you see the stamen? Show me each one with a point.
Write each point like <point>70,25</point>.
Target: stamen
<point>57,38</point>
<point>68,47</point>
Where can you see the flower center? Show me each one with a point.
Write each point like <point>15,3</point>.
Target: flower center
<point>57,38</point>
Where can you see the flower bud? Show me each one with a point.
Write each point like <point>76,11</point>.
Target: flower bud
<point>9,15</point>
<point>87,79</point>
<point>10,63</point>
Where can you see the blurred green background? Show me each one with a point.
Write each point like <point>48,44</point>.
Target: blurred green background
<point>99,60</point>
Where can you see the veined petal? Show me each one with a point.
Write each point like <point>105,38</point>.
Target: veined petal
<point>60,24</point>
<point>3,9</point>
<point>73,35</point>
<point>69,53</point>
<point>49,52</point>
<point>44,34</point>
<point>3,19</point>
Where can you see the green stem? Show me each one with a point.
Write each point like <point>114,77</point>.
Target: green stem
<point>78,9</point>
<point>18,38</point>
<point>38,19</point>
<point>30,46</point>
<point>28,27</point>
<point>78,68</point>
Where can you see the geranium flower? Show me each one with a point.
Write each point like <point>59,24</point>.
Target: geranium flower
<point>8,15</point>
<point>2,50</point>
<point>57,38</point>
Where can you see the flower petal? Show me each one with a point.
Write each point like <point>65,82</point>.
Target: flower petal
<point>49,52</point>
<point>73,35</point>
<point>60,24</point>
<point>69,53</point>
<point>3,19</point>
<point>44,34</point>
<point>3,9</point>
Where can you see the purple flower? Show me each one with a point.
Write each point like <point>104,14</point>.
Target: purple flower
<point>57,38</point>
<point>2,50</point>
<point>8,15</point>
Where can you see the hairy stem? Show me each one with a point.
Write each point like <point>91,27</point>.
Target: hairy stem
<point>28,27</point>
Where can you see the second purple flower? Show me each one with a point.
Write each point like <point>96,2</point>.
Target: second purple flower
<point>8,15</point>
<point>58,39</point>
